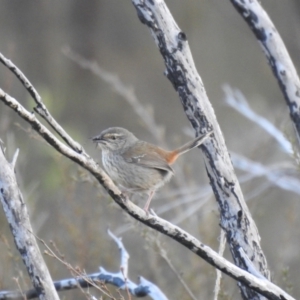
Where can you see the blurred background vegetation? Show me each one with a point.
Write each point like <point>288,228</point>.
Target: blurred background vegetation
<point>66,205</point>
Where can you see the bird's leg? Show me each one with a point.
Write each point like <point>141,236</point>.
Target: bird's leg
<point>146,207</point>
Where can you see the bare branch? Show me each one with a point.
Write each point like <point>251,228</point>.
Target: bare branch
<point>18,219</point>
<point>250,265</point>
<point>14,160</point>
<point>219,273</point>
<point>41,109</point>
<point>238,101</point>
<point>275,174</point>
<point>165,256</point>
<point>276,53</point>
<point>124,254</point>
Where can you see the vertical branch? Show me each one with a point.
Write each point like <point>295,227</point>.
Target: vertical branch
<point>18,219</point>
<point>236,220</point>
<point>276,53</point>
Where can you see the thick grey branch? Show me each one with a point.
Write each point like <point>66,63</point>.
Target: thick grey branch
<point>276,53</point>
<point>18,219</point>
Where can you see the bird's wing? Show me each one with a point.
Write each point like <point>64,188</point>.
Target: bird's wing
<point>152,158</point>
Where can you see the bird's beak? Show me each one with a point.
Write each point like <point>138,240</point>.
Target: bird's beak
<point>99,140</point>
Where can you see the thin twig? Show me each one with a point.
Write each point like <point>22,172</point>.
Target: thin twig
<point>41,108</point>
<point>164,255</point>
<point>222,245</point>
<point>238,101</point>
<point>14,160</point>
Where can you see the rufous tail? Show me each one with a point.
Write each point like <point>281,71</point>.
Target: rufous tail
<point>188,146</point>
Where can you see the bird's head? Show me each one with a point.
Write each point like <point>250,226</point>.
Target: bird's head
<point>114,138</point>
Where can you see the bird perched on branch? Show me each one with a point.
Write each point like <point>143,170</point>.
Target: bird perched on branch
<point>138,166</point>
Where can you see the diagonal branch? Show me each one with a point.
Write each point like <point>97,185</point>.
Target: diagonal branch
<point>236,219</point>
<point>41,108</point>
<point>276,53</point>
<point>238,101</point>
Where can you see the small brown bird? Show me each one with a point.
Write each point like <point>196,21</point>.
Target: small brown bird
<point>135,165</point>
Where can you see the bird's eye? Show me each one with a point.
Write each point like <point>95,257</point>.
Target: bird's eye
<point>113,137</point>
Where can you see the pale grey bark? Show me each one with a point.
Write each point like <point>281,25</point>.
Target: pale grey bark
<point>18,219</point>
<point>276,53</point>
<point>236,220</point>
